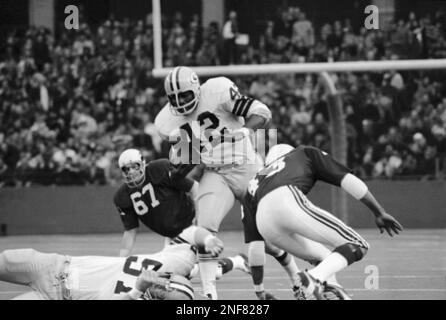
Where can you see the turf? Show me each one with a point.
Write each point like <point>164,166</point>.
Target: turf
<point>410,266</point>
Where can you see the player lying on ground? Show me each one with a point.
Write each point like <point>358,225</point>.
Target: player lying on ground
<point>277,210</point>
<point>217,116</point>
<point>160,276</point>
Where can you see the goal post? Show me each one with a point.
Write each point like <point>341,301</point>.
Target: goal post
<point>316,67</point>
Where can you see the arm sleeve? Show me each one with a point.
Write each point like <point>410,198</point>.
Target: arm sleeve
<point>175,177</point>
<point>240,105</point>
<point>325,167</point>
<point>129,218</point>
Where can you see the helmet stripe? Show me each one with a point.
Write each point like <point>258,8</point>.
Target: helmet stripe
<point>171,81</point>
<point>174,81</point>
<point>177,80</point>
<point>183,288</point>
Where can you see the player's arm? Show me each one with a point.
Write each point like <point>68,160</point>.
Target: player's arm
<point>359,190</point>
<point>128,242</point>
<point>129,220</point>
<point>256,114</point>
<point>197,172</point>
<point>146,279</point>
<point>331,171</point>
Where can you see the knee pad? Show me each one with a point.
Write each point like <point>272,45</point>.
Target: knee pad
<point>351,252</point>
<point>256,253</point>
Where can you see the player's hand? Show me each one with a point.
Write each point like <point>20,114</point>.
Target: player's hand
<point>148,278</point>
<point>214,246</point>
<point>236,135</point>
<point>386,222</point>
<point>265,295</point>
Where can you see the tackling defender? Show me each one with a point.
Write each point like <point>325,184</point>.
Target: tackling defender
<point>277,210</point>
<point>217,116</point>
<point>157,195</point>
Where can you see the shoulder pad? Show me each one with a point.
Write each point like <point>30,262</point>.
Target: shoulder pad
<point>161,120</point>
<point>158,170</point>
<point>122,198</point>
<point>217,84</point>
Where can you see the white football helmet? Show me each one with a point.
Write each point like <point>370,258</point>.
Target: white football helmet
<point>182,88</point>
<point>276,152</point>
<point>133,167</point>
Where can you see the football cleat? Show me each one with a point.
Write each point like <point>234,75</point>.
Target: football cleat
<point>244,266</point>
<point>335,292</point>
<point>308,288</point>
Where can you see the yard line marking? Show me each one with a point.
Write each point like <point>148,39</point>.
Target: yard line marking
<point>346,277</point>
<point>348,289</point>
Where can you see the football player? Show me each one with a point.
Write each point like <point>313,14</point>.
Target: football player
<point>161,275</point>
<point>277,210</point>
<point>212,121</point>
<point>157,195</point>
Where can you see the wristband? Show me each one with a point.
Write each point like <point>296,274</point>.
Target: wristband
<point>246,132</point>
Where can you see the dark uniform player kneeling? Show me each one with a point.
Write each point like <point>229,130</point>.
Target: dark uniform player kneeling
<point>156,195</point>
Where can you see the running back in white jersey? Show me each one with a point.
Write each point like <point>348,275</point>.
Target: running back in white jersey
<point>220,107</point>
<point>103,278</point>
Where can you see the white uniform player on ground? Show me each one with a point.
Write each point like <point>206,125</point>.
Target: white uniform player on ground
<point>216,121</point>
<point>53,276</point>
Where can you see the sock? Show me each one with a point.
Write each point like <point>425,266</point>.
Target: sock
<point>332,280</point>
<point>289,265</point>
<point>208,274</point>
<point>219,272</point>
<point>329,266</point>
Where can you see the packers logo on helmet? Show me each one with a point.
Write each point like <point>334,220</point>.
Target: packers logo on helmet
<point>182,88</point>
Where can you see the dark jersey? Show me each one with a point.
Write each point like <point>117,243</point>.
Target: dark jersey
<point>302,168</point>
<point>160,203</point>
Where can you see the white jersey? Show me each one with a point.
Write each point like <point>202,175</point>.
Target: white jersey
<point>220,107</point>
<point>104,278</point>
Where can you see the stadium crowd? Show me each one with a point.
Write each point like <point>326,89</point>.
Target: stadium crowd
<point>69,104</point>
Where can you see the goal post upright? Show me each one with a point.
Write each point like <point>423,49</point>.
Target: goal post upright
<point>157,35</point>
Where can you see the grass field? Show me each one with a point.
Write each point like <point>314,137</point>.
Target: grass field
<point>411,265</point>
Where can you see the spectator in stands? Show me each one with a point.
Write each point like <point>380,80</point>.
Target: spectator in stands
<point>230,34</point>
